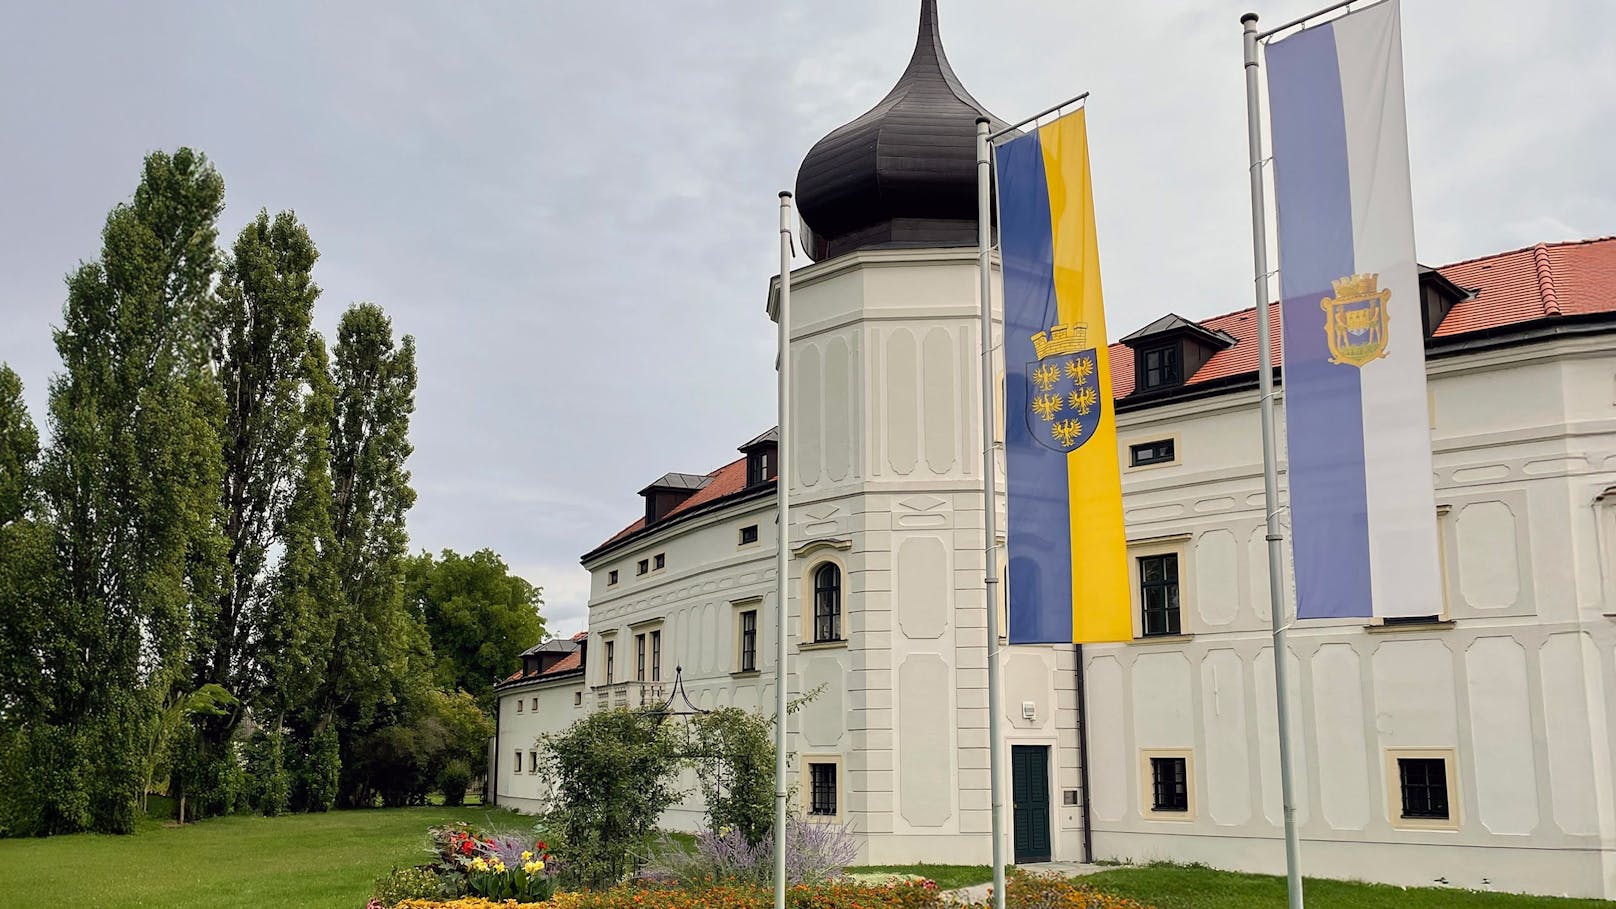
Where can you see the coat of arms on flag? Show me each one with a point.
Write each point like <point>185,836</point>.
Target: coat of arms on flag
<point>1356,320</point>
<point>1063,388</point>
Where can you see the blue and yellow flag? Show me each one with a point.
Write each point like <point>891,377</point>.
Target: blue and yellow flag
<point>1068,553</point>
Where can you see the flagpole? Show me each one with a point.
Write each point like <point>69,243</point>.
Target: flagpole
<point>782,553</point>
<point>1265,385</point>
<point>990,510</point>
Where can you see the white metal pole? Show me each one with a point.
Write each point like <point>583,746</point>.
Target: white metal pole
<point>782,554</point>
<point>990,500</point>
<point>1265,385</point>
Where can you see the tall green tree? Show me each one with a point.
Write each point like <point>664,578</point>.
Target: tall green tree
<point>131,480</point>
<point>480,617</point>
<point>379,652</point>
<point>261,329</point>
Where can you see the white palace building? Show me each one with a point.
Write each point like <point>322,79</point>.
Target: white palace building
<point>1472,748</point>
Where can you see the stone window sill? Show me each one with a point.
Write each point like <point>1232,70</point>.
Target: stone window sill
<point>821,645</point>
<point>1416,628</point>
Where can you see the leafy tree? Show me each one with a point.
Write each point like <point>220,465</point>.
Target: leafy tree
<point>298,628</point>
<point>733,755</point>
<point>613,776</point>
<point>378,650</point>
<point>19,451</point>
<point>480,617</point>
<point>262,345</point>
<point>131,479</point>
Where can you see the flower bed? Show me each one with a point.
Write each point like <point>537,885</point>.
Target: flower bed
<point>1025,892</point>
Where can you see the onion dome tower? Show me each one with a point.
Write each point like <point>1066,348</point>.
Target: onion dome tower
<point>903,174</point>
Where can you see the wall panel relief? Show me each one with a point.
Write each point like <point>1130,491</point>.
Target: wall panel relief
<point>1344,762</point>
<point>926,784</point>
<point>809,428</point>
<point>1489,565</point>
<point>1223,702</point>
<point>922,588</point>
<point>839,410</point>
<point>1501,728</point>
<point>1217,577</point>
<point>824,717</point>
<point>902,402</point>
<point>1108,773</point>
<point>942,401</point>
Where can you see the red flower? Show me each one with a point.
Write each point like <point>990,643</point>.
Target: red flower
<point>465,847</point>
<point>540,844</point>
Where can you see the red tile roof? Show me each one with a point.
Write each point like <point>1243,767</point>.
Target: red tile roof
<point>726,480</point>
<point>1539,282</point>
<point>568,663</point>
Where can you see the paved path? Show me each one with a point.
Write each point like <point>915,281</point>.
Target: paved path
<point>979,892</point>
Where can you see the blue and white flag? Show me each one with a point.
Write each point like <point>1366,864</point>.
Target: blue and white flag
<point>1363,514</point>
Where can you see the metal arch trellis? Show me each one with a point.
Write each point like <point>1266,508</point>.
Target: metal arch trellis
<point>678,705</point>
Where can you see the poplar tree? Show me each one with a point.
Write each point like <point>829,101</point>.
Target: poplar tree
<point>378,649</point>
<point>131,480</point>
<point>265,367</point>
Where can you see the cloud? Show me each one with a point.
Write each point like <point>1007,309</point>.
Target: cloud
<point>572,206</point>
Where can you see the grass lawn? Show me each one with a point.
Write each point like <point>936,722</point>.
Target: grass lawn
<point>948,877</point>
<point>1189,887</point>
<point>308,861</point>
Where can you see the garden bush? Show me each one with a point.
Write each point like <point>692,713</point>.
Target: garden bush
<point>402,884</point>
<point>269,782</point>
<point>733,756</point>
<point>613,773</point>
<point>453,780</point>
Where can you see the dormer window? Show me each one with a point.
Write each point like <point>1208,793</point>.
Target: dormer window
<point>1161,367</point>
<point>762,458</point>
<point>1168,351</point>
<point>669,492</point>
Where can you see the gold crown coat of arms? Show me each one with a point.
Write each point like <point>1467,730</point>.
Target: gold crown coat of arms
<point>1356,320</point>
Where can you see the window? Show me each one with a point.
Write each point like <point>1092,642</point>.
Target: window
<point>827,603</point>
<point>749,640</point>
<point>518,764</point>
<point>1411,620</point>
<point>1146,454</point>
<point>1424,786</point>
<point>520,703</point>
<point>760,466</point>
<point>749,534</point>
<point>1159,367</point>
<point>611,577</point>
<point>822,790</point>
<point>656,655</point>
<point>1158,593</point>
<point>639,657</point>
<point>535,705</point>
<point>660,562</point>
<point>1169,784</point>
<point>532,762</point>
<point>577,698</point>
<point>611,654</point>
<point>643,567</point>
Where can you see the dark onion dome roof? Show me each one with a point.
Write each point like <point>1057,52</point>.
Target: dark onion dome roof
<point>904,174</point>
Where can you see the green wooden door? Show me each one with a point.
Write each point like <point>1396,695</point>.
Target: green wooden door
<point>1029,798</point>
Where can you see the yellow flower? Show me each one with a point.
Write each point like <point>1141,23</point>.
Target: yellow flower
<point>533,867</point>
<point>478,864</point>
<point>527,856</point>
<point>498,866</point>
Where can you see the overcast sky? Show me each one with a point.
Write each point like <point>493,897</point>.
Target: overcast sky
<point>572,205</point>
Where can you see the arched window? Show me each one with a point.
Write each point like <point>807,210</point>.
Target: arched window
<point>827,603</point>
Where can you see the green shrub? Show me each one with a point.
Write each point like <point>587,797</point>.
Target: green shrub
<point>733,756</point>
<point>453,780</point>
<point>320,771</point>
<point>269,782</point>
<point>402,884</point>
<point>613,773</point>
